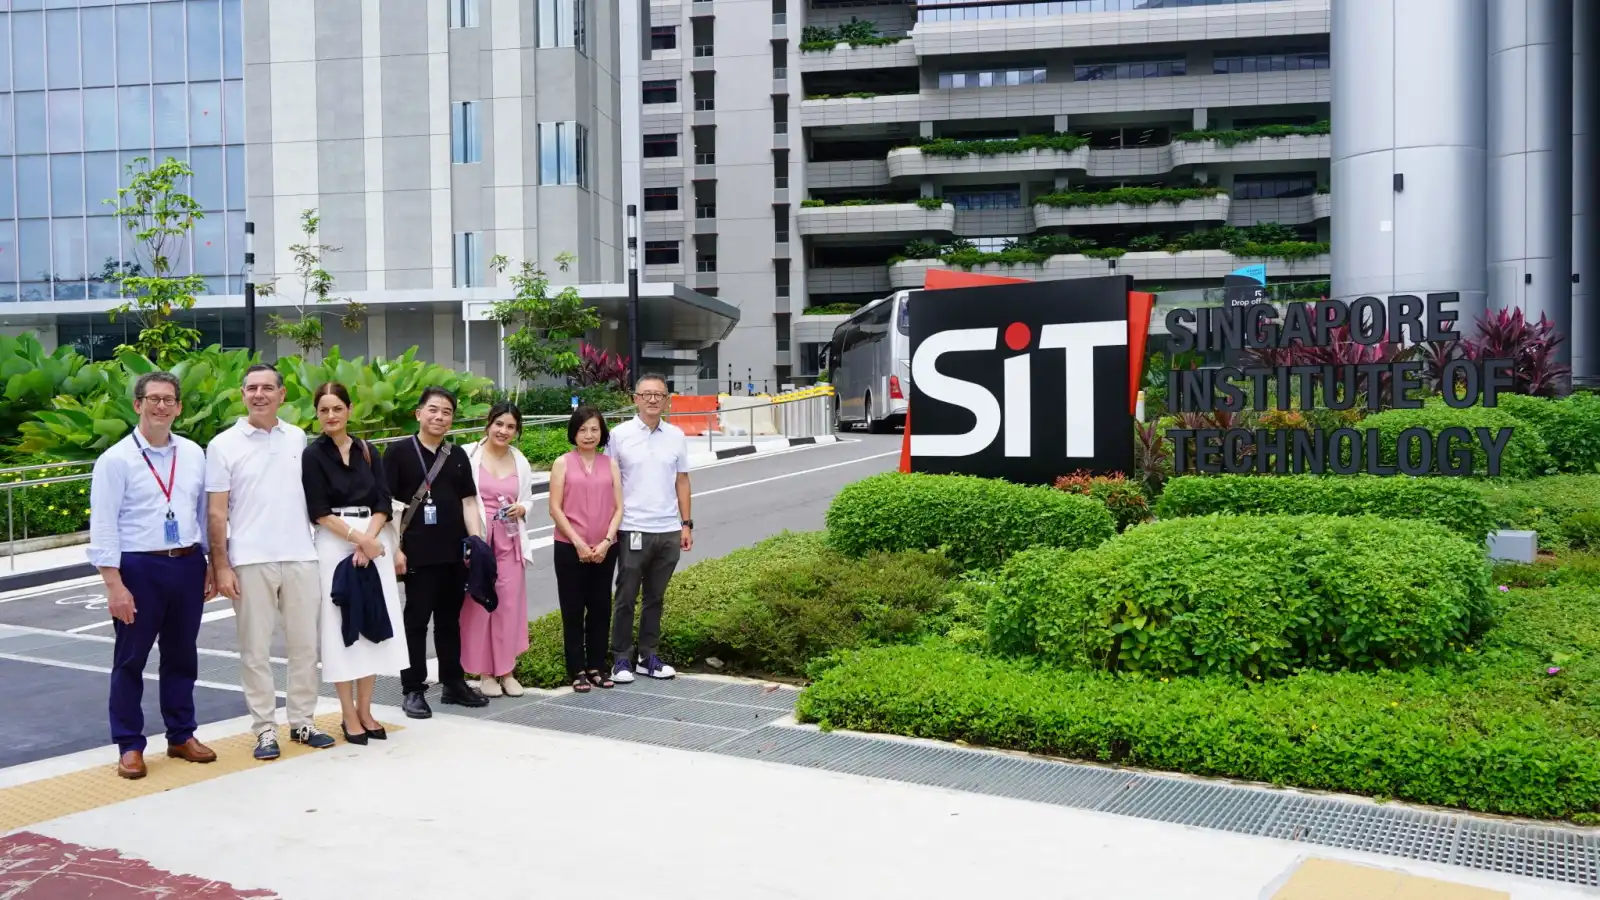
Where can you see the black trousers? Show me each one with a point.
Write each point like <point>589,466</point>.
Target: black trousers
<point>584,590</point>
<point>434,592</point>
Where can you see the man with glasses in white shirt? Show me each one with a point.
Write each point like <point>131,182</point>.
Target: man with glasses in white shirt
<point>656,527</point>
<point>264,559</point>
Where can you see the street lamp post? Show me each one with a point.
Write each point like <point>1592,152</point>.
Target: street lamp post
<point>249,288</point>
<point>635,345</point>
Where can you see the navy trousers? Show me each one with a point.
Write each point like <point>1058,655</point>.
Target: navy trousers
<point>168,599</point>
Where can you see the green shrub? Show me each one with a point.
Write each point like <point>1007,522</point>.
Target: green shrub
<point>1583,530</point>
<point>557,401</point>
<point>543,444</point>
<point>1543,505</point>
<point>770,608</point>
<point>1524,455</point>
<point>1570,427</point>
<point>978,521</point>
<point>1121,497</point>
<point>1262,596</point>
<point>1449,502</point>
<point>48,509</point>
<point>1501,737</point>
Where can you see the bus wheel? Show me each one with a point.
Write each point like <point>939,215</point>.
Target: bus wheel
<point>873,425</point>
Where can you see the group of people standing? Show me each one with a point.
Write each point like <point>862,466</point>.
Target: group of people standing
<point>318,535</point>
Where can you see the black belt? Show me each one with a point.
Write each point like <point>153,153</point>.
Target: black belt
<point>176,551</point>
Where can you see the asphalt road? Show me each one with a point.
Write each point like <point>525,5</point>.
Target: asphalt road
<point>736,503</point>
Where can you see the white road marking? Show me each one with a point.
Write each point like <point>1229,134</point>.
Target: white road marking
<point>848,462</point>
<point>52,588</point>
<point>106,670</point>
<point>213,616</point>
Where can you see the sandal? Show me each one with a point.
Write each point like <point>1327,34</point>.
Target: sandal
<point>600,680</point>
<point>580,684</point>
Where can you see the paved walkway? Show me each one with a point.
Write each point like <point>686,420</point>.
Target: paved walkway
<point>701,785</point>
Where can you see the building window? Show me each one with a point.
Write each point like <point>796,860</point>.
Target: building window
<point>993,78</point>
<point>463,13</point>
<point>469,259</point>
<point>1149,68</point>
<point>562,24</point>
<point>1273,62</point>
<point>664,37</point>
<point>660,199</point>
<point>563,153</point>
<point>995,198</point>
<point>780,278</point>
<point>660,92</point>
<point>660,253</point>
<point>661,146</point>
<point>1274,187</point>
<point>781,331</point>
<point>465,144</point>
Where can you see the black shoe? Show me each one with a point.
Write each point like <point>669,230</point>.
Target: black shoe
<point>462,694</point>
<point>359,737</point>
<point>378,734</point>
<point>416,705</point>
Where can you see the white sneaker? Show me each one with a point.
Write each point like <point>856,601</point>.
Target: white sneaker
<point>489,687</point>
<point>655,668</point>
<point>512,686</point>
<point>621,673</point>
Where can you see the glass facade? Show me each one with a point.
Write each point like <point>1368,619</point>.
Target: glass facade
<point>972,10</point>
<point>86,87</point>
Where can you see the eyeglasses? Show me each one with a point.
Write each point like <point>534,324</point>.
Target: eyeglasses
<point>159,401</point>
<point>651,395</point>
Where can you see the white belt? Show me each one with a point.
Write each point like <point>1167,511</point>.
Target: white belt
<point>358,512</point>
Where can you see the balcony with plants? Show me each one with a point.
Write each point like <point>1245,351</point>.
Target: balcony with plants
<point>888,214</point>
<point>856,44</point>
<point>1171,256</point>
<point>1097,205</point>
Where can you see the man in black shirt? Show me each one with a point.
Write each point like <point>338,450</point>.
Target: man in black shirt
<point>431,557</point>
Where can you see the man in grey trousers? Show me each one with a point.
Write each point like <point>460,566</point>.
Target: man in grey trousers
<point>656,527</point>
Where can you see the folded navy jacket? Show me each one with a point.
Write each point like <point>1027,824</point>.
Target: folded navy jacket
<point>481,573</point>
<point>358,592</point>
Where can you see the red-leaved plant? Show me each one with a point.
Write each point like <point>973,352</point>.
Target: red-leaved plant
<point>601,368</point>
<point>1121,497</point>
<point>1530,347</point>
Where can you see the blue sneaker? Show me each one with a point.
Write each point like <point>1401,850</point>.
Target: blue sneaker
<point>266,745</point>
<point>655,668</point>
<point>312,737</point>
<point>622,672</point>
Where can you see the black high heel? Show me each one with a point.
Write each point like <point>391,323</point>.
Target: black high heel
<point>358,738</point>
<point>378,734</point>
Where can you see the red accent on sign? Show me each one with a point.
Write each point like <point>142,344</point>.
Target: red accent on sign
<point>35,867</point>
<point>1018,336</point>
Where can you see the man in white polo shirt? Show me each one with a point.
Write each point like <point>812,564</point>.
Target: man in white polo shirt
<point>654,458</point>
<point>264,559</point>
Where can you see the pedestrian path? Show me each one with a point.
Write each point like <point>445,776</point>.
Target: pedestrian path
<point>732,719</point>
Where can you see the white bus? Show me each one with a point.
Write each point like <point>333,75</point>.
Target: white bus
<point>870,358</point>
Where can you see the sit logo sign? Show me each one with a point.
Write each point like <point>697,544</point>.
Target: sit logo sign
<point>1021,381</point>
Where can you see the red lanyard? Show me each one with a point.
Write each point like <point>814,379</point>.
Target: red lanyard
<point>172,473</point>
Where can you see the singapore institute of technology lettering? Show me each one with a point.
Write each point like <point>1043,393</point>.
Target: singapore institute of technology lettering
<point>1342,450</point>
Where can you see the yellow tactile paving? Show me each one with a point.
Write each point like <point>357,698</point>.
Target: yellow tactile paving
<point>86,789</point>
<point>1326,879</point>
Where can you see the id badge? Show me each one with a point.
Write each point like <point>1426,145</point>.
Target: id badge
<point>169,528</point>
<point>430,514</point>
<point>635,540</point>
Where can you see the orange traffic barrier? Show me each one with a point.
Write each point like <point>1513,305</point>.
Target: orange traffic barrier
<point>693,425</point>
<point>905,445</point>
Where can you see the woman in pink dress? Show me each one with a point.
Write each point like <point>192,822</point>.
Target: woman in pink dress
<point>491,642</point>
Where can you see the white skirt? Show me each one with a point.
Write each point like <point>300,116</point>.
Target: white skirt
<point>363,658</point>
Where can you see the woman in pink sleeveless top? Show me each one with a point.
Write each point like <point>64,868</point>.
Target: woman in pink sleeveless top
<point>586,505</point>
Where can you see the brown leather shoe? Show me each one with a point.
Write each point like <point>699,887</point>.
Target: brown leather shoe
<point>192,751</point>
<point>131,765</point>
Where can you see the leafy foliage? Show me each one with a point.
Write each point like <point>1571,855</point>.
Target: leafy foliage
<point>602,368</point>
<point>978,522</point>
<point>158,216</point>
<point>543,445</point>
<point>545,400</point>
<point>541,329</point>
<point>1230,137</point>
<point>31,378</point>
<point>856,33</point>
<point>1524,455</point>
<point>316,288</point>
<point>1570,427</point>
<point>1452,503</point>
<point>1531,348</point>
<point>48,509</point>
<point>1259,596</point>
<point>1133,196</point>
<point>1545,505</point>
<point>956,147</point>
<point>1121,497</point>
<point>1342,352</point>
<point>773,607</point>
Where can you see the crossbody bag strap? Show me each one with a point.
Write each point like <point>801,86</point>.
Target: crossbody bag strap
<point>427,482</point>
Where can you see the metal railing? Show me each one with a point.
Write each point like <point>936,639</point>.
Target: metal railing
<point>804,413</point>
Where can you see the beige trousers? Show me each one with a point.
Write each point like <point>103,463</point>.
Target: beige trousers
<point>268,592</point>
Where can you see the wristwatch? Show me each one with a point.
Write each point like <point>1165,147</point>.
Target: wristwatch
<point>689,524</point>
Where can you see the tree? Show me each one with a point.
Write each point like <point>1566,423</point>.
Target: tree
<point>546,328</point>
<point>315,282</point>
<point>159,217</point>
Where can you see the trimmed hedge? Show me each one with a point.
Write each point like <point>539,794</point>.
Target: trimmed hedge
<point>1498,736</point>
<point>977,521</point>
<point>1449,502</point>
<point>773,607</point>
<point>1263,596</point>
<point>1570,427</point>
<point>1546,505</point>
<point>1524,455</point>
